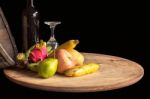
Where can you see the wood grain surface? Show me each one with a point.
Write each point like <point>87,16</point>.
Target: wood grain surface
<point>8,49</point>
<point>114,73</point>
<point>6,38</point>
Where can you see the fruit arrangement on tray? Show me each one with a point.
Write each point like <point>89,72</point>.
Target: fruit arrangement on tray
<point>63,60</point>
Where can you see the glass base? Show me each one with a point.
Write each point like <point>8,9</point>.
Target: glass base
<point>53,44</point>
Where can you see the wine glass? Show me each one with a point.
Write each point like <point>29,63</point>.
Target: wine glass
<point>52,41</point>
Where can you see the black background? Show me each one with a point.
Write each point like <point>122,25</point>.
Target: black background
<point>114,28</point>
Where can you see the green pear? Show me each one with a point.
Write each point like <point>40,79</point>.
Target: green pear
<point>33,66</point>
<point>47,68</point>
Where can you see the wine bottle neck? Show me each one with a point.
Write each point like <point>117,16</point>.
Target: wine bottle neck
<point>30,3</point>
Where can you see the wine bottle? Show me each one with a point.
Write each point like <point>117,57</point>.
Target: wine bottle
<point>30,26</point>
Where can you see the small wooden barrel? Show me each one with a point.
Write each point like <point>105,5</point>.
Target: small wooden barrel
<point>8,49</point>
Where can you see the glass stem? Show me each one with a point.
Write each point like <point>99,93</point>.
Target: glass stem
<point>52,34</point>
<point>32,3</point>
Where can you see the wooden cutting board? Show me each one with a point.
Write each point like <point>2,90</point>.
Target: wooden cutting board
<point>115,72</point>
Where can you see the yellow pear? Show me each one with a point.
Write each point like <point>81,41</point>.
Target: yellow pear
<point>78,56</point>
<point>69,45</point>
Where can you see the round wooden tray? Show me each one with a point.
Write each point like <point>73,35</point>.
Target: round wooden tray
<point>115,72</point>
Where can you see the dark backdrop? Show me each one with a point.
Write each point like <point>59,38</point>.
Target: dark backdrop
<point>115,28</point>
